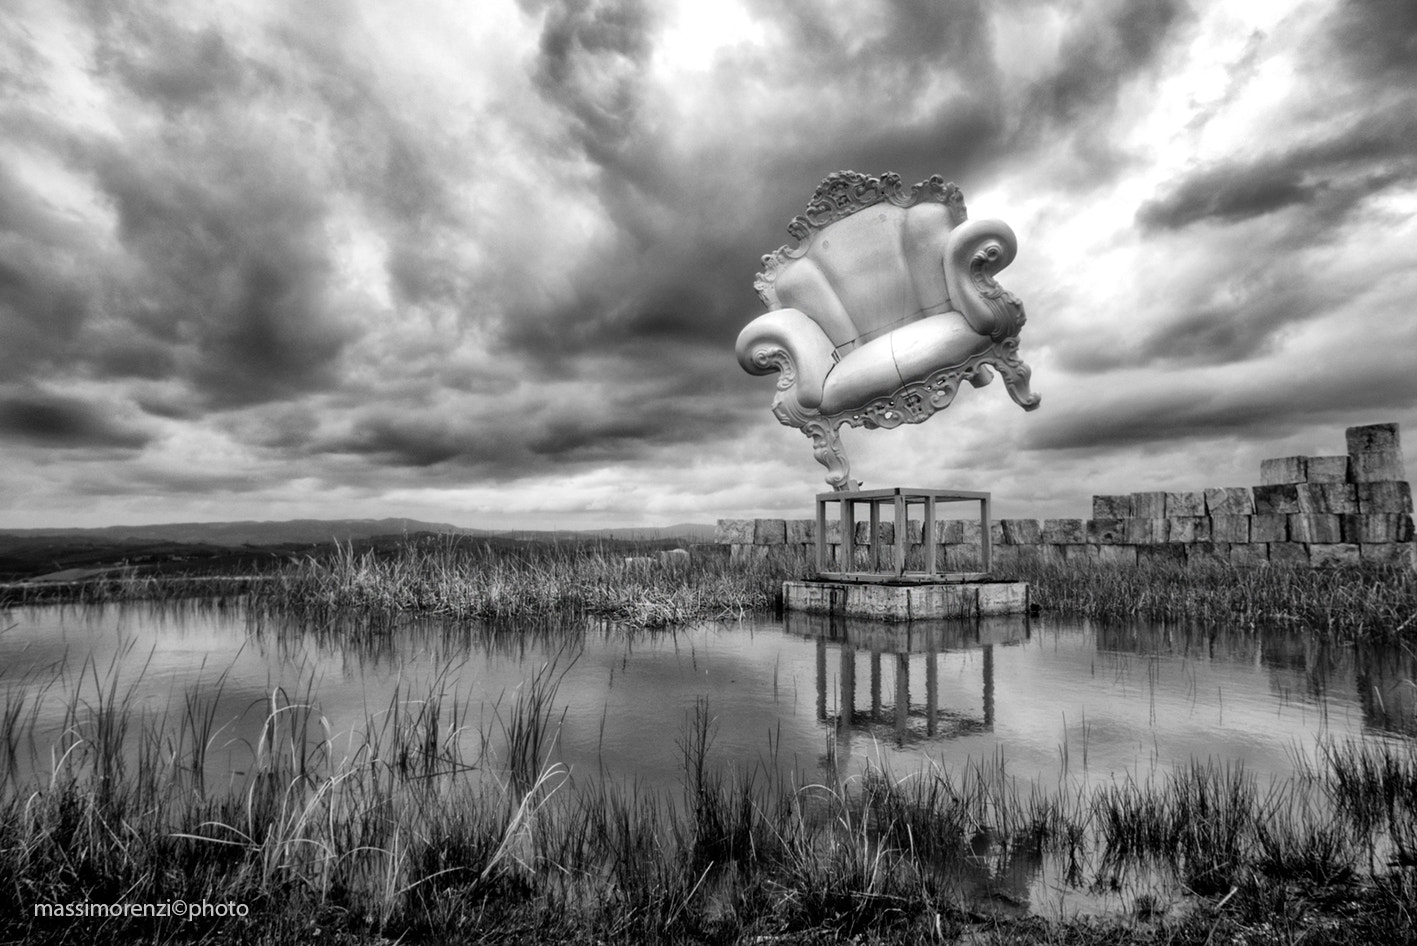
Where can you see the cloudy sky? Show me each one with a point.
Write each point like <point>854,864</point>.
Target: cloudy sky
<point>484,261</point>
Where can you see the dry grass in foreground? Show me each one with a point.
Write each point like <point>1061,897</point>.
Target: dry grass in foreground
<point>409,832</point>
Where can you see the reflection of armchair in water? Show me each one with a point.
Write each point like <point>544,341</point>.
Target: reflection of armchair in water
<point>885,305</point>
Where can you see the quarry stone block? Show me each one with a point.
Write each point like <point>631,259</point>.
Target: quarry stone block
<point>1230,529</point>
<point>906,602</point>
<point>950,531</point>
<point>1378,528</point>
<point>834,530</point>
<point>1316,527</point>
<point>1185,504</point>
<point>1064,531</point>
<point>769,531</point>
<point>1284,470</point>
<point>1279,499</point>
<point>1111,507</point>
<point>1389,553</point>
<point>1207,552</point>
<point>1376,467</point>
<point>1187,529</point>
<point>733,532</point>
<point>1081,554</point>
<point>801,531</point>
<point>1148,505</point>
<point>1115,554</point>
<point>1106,531</point>
<point>885,533</point>
<point>1375,453</point>
<point>1229,501</point>
<point>1146,531</point>
<point>1269,528</point>
<point>915,531</point>
<point>996,531</point>
<point>1052,554</point>
<point>748,553</point>
<point>1372,438</point>
<point>1288,553</point>
<point>1249,553</point>
<point>1328,469</point>
<point>1022,531</point>
<point>1159,554</point>
<point>971,530</point>
<point>1327,556</point>
<point>1032,554</point>
<point>1385,496</point>
<point>962,558</point>
<point>1003,597</point>
<point>1327,497</point>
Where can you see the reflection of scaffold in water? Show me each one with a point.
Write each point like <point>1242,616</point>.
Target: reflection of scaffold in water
<point>901,646</point>
<point>993,869</point>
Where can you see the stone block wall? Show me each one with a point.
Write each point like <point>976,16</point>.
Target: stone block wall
<point>1317,511</point>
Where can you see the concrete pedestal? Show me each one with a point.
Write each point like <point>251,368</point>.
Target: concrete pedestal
<point>886,600</point>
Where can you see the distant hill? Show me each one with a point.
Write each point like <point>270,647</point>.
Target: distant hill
<point>316,531</point>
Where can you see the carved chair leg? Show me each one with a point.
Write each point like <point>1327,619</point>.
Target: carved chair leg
<point>1016,375</point>
<point>827,448</point>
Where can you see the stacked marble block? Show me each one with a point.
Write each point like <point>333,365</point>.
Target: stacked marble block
<point>1317,511</point>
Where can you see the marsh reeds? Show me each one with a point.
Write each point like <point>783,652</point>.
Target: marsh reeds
<point>458,578</point>
<point>1368,602</point>
<point>423,826</point>
<point>461,580</point>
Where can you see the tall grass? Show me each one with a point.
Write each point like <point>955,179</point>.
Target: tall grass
<point>1373,602</point>
<point>458,578</point>
<point>421,826</point>
<point>461,580</point>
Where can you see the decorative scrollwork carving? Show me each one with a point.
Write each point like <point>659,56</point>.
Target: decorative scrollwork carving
<point>916,401</point>
<point>775,357</point>
<point>822,431</point>
<point>1016,374</point>
<point>1007,308</point>
<point>842,194</point>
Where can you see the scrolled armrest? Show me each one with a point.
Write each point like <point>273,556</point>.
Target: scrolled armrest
<point>788,341</point>
<point>975,251</point>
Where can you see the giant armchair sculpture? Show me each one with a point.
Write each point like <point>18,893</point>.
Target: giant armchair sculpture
<point>884,305</point>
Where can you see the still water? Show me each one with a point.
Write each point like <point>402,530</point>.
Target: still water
<point>1057,700</point>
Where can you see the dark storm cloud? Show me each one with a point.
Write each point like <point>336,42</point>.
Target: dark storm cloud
<point>1260,413</point>
<point>219,276</point>
<point>65,423</point>
<point>531,430</point>
<point>1104,46</point>
<point>1247,228</point>
<point>911,87</point>
<point>1368,145</point>
<point>1211,314</point>
<point>692,221</point>
<point>1069,110</point>
<point>1377,40</point>
<point>232,284</point>
<point>1366,155</point>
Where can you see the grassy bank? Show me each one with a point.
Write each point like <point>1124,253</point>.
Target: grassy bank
<point>1358,602</point>
<point>465,580</point>
<point>423,827</point>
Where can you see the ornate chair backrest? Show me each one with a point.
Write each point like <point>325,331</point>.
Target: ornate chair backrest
<point>869,256</point>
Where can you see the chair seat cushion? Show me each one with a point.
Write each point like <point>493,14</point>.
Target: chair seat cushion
<point>911,352</point>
